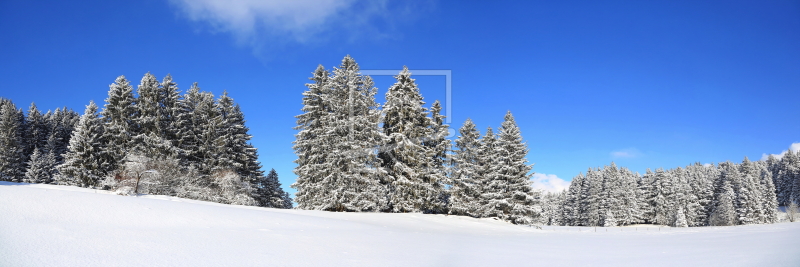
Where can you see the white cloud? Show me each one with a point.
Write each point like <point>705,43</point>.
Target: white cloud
<point>268,22</point>
<point>626,153</point>
<point>794,148</point>
<point>548,182</point>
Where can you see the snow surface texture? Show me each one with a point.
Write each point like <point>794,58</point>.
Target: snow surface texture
<point>48,225</point>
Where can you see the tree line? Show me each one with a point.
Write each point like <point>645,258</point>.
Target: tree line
<point>356,155</point>
<point>697,195</point>
<point>156,141</point>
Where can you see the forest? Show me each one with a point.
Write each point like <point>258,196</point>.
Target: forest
<point>357,155</point>
<point>156,141</point>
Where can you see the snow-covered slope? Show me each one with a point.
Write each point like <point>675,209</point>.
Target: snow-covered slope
<point>47,225</point>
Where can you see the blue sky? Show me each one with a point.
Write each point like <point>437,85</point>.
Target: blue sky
<point>646,84</point>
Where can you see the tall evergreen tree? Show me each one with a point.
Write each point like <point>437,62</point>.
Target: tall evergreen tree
<point>118,117</point>
<point>84,163</point>
<point>416,183</point>
<point>36,131</point>
<point>12,146</point>
<point>270,194</point>
<point>348,142</point>
<point>40,167</point>
<point>466,181</point>
<point>509,192</point>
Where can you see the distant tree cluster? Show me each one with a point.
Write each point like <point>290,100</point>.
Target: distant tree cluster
<point>786,177</point>
<point>157,142</point>
<point>41,137</point>
<point>354,155</point>
<point>698,195</point>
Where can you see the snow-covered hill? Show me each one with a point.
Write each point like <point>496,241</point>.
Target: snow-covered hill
<point>48,225</point>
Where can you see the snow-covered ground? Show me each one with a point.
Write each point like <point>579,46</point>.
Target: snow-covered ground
<point>47,225</point>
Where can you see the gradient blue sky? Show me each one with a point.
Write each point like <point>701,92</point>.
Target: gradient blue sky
<point>646,84</point>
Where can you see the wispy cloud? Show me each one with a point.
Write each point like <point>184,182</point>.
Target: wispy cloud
<point>549,182</point>
<point>794,148</point>
<point>626,153</point>
<point>261,22</point>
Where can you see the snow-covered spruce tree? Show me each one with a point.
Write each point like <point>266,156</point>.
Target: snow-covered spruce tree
<point>338,168</point>
<point>724,209</point>
<point>440,146</point>
<point>571,206</point>
<point>749,197</point>
<point>269,192</point>
<point>591,211</point>
<point>609,220</point>
<point>793,177</point>
<point>770,201</point>
<point>310,145</point>
<point>233,149</point>
<point>151,139</point>
<point>12,145</point>
<point>62,123</point>
<point>628,198</point>
<point>487,171</point>
<point>661,197</point>
<point>84,163</point>
<point>196,123</point>
<point>610,197</point>
<point>118,114</point>
<point>466,180</point>
<point>415,182</point>
<point>509,194</point>
<point>40,167</point>
<point>680,218</point>
<point>787,171</point>
<point>551,208</point>
<point>36,131</point>
<point>169,112</point>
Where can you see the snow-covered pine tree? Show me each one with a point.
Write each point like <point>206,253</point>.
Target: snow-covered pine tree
<point>270,192</point>
<point>724,209</point>
<point>310,145</point>
<point>170,110</point>
<point>12,145</point>
<point>40,167</point>
<point>466,181</point>
<point>196,123</point>
<point>661,196</point>
<point>612,193</point>
<point>509,194</point>
<point>416,184</point>
<point>680,218</point>
<point>628,198</point>
<point>62,123</point>
<point>770,201</point>
<point>609,220</point>
<point>36,131</point>
<point>787,170</point>
<point>749,197</point>
<point>571,205</point>
<point>118,114</point>
<point>347,140</point>
<point>793,176</point>
<point>646,195</point>
<point>440,146</point>
<point>84,163</point>
<point>590,199</point>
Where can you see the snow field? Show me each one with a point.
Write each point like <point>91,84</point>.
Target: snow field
<point>48,225</point>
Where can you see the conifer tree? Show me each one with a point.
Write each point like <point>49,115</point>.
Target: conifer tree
<point>84,163</point>
<point>40,167</point>
<point>12,146</point>
<point>509,194</point>
<point>416,183</point>
<point>348,138</point>
<point>36,131</point>
<point>270,192</point>
<point>466,181</point>
<point>118,114</point>
<point>571,207</point>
